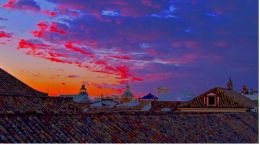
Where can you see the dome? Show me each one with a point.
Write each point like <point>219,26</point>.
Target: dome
<point>127,93</point>
<point>82,97</point>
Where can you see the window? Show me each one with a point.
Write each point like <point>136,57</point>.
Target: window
<point>211,100</point>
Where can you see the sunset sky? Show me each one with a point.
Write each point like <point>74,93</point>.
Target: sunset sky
<point>188,46</point>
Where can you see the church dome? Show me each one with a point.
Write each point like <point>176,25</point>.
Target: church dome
<point>82,97</point>
<point>127,93</point>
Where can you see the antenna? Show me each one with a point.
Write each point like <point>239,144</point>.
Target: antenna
<point>83,81</point>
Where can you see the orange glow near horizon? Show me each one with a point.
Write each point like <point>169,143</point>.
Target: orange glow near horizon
<point>57,84</point>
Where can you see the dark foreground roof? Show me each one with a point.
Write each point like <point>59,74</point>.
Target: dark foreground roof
<point>28,104</point>
<point>130,128</point>
<point>11,85</point>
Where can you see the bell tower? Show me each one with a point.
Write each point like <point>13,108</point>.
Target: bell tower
<point>83,89</point>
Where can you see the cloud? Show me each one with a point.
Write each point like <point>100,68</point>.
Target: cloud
<point>138,40</point>
<point>9,4</point>
<point>44,27</point>
<point>120,57</point>
<point>67,56</point>
<point>109,47</point>
<point>109,13</point>
<point>54,28</point>
<point>33,46</point>
<point>30,5</point>
<point>73,76</point>
<point>185,59</point>
<point>112,7</point>
<point>5,35</point>
<point>49,13</point>
<point>70,46</point>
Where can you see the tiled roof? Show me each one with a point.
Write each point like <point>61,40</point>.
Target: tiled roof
<point>12,86</point>
<point>130,128</point>
<point>158,105</point>
<point>25,117</point>
<point>227,99</point>
<point>26,104</point>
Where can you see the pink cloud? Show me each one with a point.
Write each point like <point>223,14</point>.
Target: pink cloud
<point>44,27</point>
<point>73,76</point>
<point>126,8</point>
<point>49,52</point>
<point>2,43</point>
<point>136,79</point>
<point>52,54</point>
<point>30,5</point>
<point>54,28</point>
<point>5,35</point>
<point>49,13</point>
<point>42,50</point>
<point>70,46</point>
<point>9,4</point>
<point>26,44</point>
<point>120,57</point>
<point>37,33</point>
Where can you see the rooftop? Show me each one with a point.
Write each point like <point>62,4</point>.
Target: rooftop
<point>28,117</point>
<point>131,127</point>
<point>11,85</point>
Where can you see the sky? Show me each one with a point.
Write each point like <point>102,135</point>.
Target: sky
<point>187,46</point>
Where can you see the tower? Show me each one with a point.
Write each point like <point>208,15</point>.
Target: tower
<point>82,97</point>
<point>230,84</point>
<point>83,90</point>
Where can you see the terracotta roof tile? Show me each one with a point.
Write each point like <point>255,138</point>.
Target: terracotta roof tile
<point>12,86</point>
<point>129,128</point>
<point>227,99</point>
